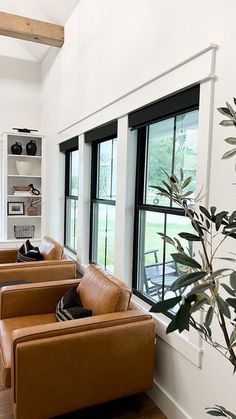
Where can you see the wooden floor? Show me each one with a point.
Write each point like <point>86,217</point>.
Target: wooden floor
<point>119,409</point>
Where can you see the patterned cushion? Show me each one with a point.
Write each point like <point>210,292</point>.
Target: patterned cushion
<point>70,307</point>
<point>28,253</point>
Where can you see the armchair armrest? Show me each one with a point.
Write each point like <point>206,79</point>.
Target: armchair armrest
<point>85,361</point>
<point>39,271</point>
<point>8,255</point>
<point>40,298</point>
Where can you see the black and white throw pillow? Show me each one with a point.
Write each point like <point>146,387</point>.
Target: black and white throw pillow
<point>28,253</point>
<point>70,307</point>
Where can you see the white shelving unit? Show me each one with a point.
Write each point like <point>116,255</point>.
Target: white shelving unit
<point>12,179</point>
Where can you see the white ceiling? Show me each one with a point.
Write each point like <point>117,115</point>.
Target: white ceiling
<point>53,11</point>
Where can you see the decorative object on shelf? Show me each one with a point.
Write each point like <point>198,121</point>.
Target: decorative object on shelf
<point>22,190</point>
<point>34,191</point>
<point>15,208</point>
<point>31,148</point>
<point>25,130</point>
<point>23,167</point>
<point>24,231</point>
<point>16,148</point>
<point>32,209</point>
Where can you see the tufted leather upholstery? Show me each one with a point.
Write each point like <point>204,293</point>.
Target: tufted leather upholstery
<point>54,265</point>
<point>65,366</point>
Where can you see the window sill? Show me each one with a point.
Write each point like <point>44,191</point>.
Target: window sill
<point>70,254</point>
<point>180,342</point>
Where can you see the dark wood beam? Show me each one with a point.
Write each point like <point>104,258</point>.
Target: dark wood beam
<point>31,30</point>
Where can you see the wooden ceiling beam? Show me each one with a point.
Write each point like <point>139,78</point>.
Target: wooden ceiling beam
<point>31,30</point>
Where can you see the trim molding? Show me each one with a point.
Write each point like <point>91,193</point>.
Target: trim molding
<point>207,75</point>
<point>166,403</point>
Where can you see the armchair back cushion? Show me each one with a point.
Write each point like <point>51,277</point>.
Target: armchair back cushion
<point>102,293</point>
<point>50,249</point>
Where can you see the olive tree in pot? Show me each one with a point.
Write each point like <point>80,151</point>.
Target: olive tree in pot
<point>202,287</point>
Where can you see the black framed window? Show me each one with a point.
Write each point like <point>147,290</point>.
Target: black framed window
<point>70,148</point>
<point>166,143</point>
<point>103,199</point>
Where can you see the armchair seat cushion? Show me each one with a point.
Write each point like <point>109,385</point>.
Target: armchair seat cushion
<point>7,327</point>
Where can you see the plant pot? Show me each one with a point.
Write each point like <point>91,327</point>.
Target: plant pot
<point>31,211</point>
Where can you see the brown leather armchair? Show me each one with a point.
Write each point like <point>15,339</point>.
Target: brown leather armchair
<point>58,367</point>
<point>54,265</point>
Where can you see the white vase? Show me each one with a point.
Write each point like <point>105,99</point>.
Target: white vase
<point>23,167</point>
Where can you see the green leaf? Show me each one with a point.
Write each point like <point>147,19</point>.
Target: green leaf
<point>223,306</point>
<point>213,210</point>
<point>181,320</point>
<point>187,194</point>
<point>185,260</point>
<point>232,113</point>
<point>172,326</point>
<point>187,279</point>
<point>219,219</point>
<point>228,289</point>
<point>196,225</point>
<point>167,186</point>
<point>167,238</point>
<point>205,211</point>
<point>190,237</point>
<point>186,182</point>
<point>217,273</point>
<point>224,111</point>
<point>231,302</point>
<point>233,336</point>
<point>209,316</point>
<point>179,245</point>
<point>230,140</point>
<point>215,413</point>
<point>229,154</point>
<point>163,306</point>
<point>183,317</point>
<point>233,280</point>
<point>232,217</point>
<point>226,123</point>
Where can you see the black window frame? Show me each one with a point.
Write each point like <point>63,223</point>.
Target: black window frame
<point>139,120</point>
<point>94,192</point>
<point>68,147</point>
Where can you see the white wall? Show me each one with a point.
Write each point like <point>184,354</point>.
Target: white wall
<point>20,105</point>
<point>111,48</point>
<point>19,94</point>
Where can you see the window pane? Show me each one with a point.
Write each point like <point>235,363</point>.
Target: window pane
<point>103,235</point>
<point>107,170</point>
<point>156,267</point>
<point>71,219</point>
<point>74,173</point>
<point>159,157</point>
<point>150,264</point>
<point>186,146</point>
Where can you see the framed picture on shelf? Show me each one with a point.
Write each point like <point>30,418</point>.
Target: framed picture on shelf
<point>15,208</point>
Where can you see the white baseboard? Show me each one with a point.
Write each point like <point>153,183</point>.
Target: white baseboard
<point>166,403</point>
